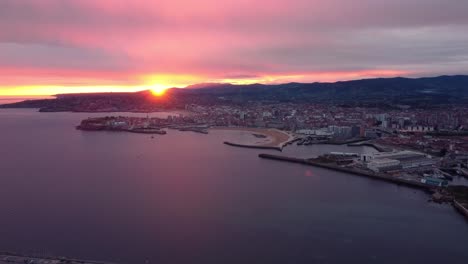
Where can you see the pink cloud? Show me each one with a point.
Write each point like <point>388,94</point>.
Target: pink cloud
<point>117,41</point>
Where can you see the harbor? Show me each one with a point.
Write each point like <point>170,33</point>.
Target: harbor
<point>124,189</point>
<point>456,195</point>
<point>354,171</point>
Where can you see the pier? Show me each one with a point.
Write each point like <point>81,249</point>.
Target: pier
<point>355,171</point>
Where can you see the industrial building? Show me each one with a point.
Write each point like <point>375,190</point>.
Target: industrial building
<point>383,165</point>
<point>405,160</point>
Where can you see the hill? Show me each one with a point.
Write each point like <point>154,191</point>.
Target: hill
<point>418,92</point>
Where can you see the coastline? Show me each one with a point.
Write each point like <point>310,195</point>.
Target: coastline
<point>460,208</point>
<point>372,175</point>
<point>10,99</point>
<point>358,172</point>
<point>277,138</point>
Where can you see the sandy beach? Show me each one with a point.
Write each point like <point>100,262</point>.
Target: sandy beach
<point>274,137</point>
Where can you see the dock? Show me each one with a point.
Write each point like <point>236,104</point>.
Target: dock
<point>354,171</point>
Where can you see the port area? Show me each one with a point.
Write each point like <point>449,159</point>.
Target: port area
<point>317,162</point>
<point>11,258</point>
<point>265,138</point>
<point>440,191</point>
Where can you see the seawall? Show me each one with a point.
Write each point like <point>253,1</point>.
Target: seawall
<point>354,171</point>
<point>463,210</point>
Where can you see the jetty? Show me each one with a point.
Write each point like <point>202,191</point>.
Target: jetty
<point>355,171</point>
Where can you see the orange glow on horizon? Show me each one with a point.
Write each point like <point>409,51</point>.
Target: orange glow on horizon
<point>171,80</point>
<point>159,83</point>
<point>158,91</point>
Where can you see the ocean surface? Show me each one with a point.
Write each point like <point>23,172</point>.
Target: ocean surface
<point>187,198</point>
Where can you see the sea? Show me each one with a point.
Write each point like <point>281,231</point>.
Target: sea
<point>185,197</point>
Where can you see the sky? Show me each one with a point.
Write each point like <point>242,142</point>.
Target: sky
<point>60,46</point>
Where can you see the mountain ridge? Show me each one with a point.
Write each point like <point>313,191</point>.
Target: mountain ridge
<point>416,92</point>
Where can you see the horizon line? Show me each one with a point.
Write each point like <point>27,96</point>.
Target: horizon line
<point>19,96</point>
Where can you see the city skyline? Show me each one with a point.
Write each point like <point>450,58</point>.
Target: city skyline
<point>50,47</point>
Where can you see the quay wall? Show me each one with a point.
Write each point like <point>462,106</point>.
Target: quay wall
<point>461,208</point>
<point>368,174</point>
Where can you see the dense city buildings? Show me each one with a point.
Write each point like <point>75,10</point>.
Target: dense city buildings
<point>415,144</point>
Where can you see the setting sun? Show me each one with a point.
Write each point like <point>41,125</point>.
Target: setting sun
<point>158,91</point>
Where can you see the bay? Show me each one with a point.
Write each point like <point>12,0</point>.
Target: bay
<point>187,198</point>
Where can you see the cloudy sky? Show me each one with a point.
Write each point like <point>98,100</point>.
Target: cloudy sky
<point>53,46</point>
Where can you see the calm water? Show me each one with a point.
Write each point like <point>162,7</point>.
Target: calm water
<point>187,198</point>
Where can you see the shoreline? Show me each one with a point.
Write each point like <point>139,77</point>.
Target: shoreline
<point>278,138</point>
<point>372,175</point>
<point>461,209</point>
<point>376,176</point>
<point>37,109</point>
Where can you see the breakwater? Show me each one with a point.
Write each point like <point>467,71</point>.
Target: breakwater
<point>252,146</point>
<point>355,171</point>
<point>463,210</point>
